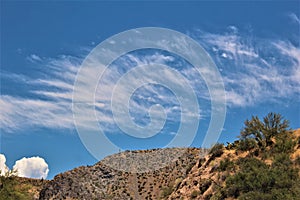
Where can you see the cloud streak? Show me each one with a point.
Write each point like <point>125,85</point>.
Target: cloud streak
<point>254,71</point>
<point>265,72</point>
<point>294,18</point>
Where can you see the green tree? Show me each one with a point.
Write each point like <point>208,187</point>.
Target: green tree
<point>263,131</point>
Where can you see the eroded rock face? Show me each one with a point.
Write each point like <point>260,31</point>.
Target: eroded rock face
<point>81,183</point>
<point>103,181</point>
<point>194,175</point>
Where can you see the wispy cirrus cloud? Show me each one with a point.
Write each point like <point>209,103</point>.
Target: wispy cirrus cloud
<point>51,105</point>
<point>48,101</point>
<point>294,18</point>
<point>149,93</point>
<point>34,58</point>
<point>254,70</point>
<point>18,113</point>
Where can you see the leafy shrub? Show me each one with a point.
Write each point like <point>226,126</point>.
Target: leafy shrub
<point>194,194</point>
<point>263,131</point>
<point>284,144</point>
<point>255,195</point>
<point>246,144</point>
<point>204,185</point>
<point>166,191</point>
<point>282,160</point>
<point>12,190</point>
<point>217,150</point>
<point>189,168</point>
<point>257,180</point>
<point>253,177</point>
<point>225,164</point>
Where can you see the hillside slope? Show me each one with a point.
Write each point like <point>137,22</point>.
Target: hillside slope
<point>15,188</point>
<point>103,182</point>
<point>190,177</point>
<point>208,178</point>
<point>245,169</point>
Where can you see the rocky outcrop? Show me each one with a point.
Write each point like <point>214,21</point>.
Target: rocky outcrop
<point>175,173</point>
<point>104,181</point>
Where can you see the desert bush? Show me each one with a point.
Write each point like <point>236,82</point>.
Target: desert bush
<point>259,180</point>
<point>246,144</point>
<point>189,168</point>
<point>194,194</point>
<point>204,185</point>
<point>217,150</point>
<point>225,165</point>
<point>255,195</point>
<point>263,131</point>
<point>282,160</point>
<point>284,144</point>
<point>166,191</point>
<point>12,190</point>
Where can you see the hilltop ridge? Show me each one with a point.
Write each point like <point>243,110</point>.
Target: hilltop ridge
<point>263,164</point>
<point>192,176</point>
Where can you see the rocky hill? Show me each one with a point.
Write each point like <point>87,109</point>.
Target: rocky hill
<point>104,182</point>
<point>18,188</point>
<point>193,175</point>
<point>208,177</point>
<point>263,165</point>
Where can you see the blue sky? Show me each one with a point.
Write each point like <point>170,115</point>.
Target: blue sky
<point>255,46</point>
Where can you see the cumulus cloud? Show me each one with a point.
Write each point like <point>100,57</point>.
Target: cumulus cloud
<point>3,167</point>
<point>34,167</point>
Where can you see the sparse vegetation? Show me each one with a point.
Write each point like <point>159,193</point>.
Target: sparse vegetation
<point>246,144</point>
<point>204,185</point>
<point>166,191</point>
<point>284,143</point>
<point>263,164</point>
<point>16,188</point>
<point>263,131</point>
<point>217,150</point>
<point>256,179</point>
<point>194,194</point>
<point>226,164</point>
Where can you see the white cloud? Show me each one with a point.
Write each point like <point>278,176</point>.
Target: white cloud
<point>34,58</point>
<point>143,98</point>
<point>34,167</point>
<point>51,108</point>
<point>261,69</point>
<point>18,113</point>
<point>230,44</point>
<point>294,17</point>
<point>224,55</point>
<point>3,167</point>
<point>253,72</point>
